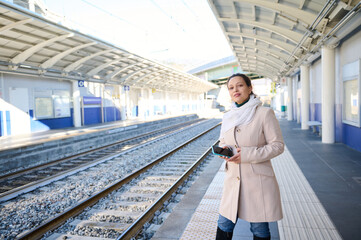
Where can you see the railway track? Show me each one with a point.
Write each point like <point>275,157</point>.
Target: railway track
<point>31,210</point>
<point>127,205</point>
<point>13,184</point>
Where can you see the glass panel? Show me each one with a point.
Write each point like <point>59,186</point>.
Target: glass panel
<point>350,101</point>
<point>43,107</point>
<point>61,103</point>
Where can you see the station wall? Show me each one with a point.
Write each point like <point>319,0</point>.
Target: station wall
<point>347,92</point>
<point>348,56</point>
<point>20,96</point>
<point>31,104</point>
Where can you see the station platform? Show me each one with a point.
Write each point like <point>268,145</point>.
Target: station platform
<point>27,150</point>
<point>319,190</point>
<point>10,142</point>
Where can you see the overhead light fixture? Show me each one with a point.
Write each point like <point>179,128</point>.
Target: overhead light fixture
<point>25,66</point>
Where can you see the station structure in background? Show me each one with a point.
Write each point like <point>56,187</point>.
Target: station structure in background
<point>311,50</point>
<point>52,76</point>
<point>55,77</point>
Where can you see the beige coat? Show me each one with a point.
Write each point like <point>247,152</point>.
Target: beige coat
<point>250,188</point>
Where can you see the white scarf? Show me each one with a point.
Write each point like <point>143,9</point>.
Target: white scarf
<point>240,115</point>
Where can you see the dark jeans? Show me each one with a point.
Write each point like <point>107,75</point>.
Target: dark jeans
<point>259,229</point>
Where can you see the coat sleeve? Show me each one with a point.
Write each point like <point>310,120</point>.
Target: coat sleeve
<point>222,143</point>
<point>274,140</point>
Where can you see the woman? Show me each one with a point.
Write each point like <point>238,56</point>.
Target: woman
<point>250,189</point>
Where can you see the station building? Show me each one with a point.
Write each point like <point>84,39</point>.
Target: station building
<point>311,50</point>
<point>52,76</point>
<point>55,77</point>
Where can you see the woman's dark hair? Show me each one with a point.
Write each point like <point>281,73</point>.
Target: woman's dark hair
<point>245,78</point>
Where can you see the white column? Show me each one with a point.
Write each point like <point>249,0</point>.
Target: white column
<point>128,104</point>
<point>141,102</point>
<point>102,105</point>
<point>151,103</point>
<point>76,104</point>
<point>328,94</point>
<point>180,103</point>
<point>282,101</point>
<point>290,99</point>
<point>123,105</point>
<point>2,89</point>
<point>167,102</point>
<point>305,97</point>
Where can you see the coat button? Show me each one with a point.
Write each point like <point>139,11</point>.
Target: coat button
<point>237,130</point>
<point>238,178</point>
<point>235,146</point>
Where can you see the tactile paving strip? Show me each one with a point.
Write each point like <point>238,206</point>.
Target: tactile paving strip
<point>304,215</point>
<point>203,224</point>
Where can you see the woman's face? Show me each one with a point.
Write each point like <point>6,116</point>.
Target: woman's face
<point>238,89</point>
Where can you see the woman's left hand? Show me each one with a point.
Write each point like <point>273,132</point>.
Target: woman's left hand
<point>235,158</point>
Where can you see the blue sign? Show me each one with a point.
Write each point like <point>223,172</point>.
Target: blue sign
<point>91,100</point>
<point>80,83</point>
<point>126,88</point>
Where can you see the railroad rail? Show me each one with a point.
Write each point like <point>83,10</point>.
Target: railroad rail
<point>13,184</point>
<point>133,184</point>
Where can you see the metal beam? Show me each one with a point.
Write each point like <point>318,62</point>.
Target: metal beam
<point>279,44</point>
<point>76,64</point>
<point>235,15</point>
<point>146,75</point>
<point>257,64</point>
<point>14,24</point>
<point>261,54</point>
<point>253,7</point>
<point>264,65</point>
<point>286,33</point>
<point>301,15</point>
<point>104,65</point>
<point>51,61</point>
<point>302,2</point>
<point>260,72</point>
<point>21,57</point>
<point>267,61</point>
<point>280,55</point>
<point>265,68</point>
<point>124,79</point>
<point>116,72</point>
<point>156,77</point>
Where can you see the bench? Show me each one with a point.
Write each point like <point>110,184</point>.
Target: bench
<point>315,124</point>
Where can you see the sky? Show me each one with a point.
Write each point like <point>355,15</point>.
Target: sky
<point>184,32</point>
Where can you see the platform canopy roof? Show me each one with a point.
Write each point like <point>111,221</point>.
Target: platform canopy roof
<point>30,44</point>
<point>274,37</point>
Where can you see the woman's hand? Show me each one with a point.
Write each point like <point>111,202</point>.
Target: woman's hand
<point>235,158</point>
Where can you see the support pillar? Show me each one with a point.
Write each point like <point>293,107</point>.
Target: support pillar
<point>151,103</point>
<point>167,102</point>
<point>123,105</point>
<point>290,99</point>
<point>180,103</point>
<point>328,94</point>
<point>76,104</point>
<point>141,104</point>
<point>102,103</point>
<point>127,104</point>
<point>282,101</point>
<point>305,97</point>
